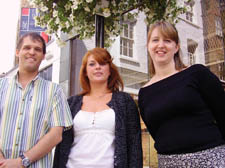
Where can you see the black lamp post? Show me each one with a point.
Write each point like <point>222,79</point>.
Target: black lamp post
<point>99,31</point>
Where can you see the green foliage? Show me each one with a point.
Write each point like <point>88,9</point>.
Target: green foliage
<point>78,16</point>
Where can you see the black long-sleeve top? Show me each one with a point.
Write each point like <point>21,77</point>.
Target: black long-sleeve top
<point>128,147</point>
<point>185,112</point>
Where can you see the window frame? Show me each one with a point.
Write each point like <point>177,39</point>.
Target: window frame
<point>127,39</point>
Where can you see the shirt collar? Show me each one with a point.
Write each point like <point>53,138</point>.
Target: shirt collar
<point>33,80</point>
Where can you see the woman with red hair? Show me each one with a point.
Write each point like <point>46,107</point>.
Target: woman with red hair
<point>106,131</point>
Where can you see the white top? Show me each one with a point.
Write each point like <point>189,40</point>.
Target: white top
<point>93,145</point>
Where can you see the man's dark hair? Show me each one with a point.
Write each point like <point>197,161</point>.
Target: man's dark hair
<point>34,37</point>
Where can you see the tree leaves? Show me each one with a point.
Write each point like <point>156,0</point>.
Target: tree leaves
<point>78,16</point>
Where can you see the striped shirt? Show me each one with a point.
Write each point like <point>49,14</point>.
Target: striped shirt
<point>27,114</point>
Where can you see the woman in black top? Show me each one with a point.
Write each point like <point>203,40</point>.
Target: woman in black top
<point>106,131</point>
<point>183,108</point>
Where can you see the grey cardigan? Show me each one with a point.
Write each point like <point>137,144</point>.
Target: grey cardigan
<point>128,148</point>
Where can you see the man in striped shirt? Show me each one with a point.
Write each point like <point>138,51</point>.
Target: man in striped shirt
<point>33,111</point>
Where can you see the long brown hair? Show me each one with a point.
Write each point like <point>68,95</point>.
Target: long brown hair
<point>102,56</point>
<point>168,31</point>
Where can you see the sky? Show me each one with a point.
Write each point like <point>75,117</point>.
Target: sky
<point>9,15</point>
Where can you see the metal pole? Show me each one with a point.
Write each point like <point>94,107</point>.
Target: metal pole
<point>222,13</point>
<point>72,69</point>
<point>99,31</point>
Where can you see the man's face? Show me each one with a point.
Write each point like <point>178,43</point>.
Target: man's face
<point>30,55</point>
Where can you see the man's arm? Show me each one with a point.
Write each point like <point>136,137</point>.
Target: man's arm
<point>43,147</point>
<point>45,144</point>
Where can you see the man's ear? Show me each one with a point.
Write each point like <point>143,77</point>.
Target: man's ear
<point>17,53</point>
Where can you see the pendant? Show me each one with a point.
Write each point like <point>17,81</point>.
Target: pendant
<point>93,122</point>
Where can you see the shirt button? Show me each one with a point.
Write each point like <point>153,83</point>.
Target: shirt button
<point>18,128</point>
<point>23,99</point>
<point>115,157</point>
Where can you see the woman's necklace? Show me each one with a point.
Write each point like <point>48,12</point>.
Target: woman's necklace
<point>96,98</point>
<point>99,96</point>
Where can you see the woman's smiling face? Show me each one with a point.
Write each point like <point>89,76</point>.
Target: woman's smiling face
<point>161,49</point>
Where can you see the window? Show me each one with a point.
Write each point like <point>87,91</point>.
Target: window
<point>189,12</point>
<point>126,39</point>
<point>46,73</point>
<point>222,3</point>
<point>191,47</point>
<point>218,25</point>
<point>191,58</point>
<point>207,4</point>
<point>221,70</point>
